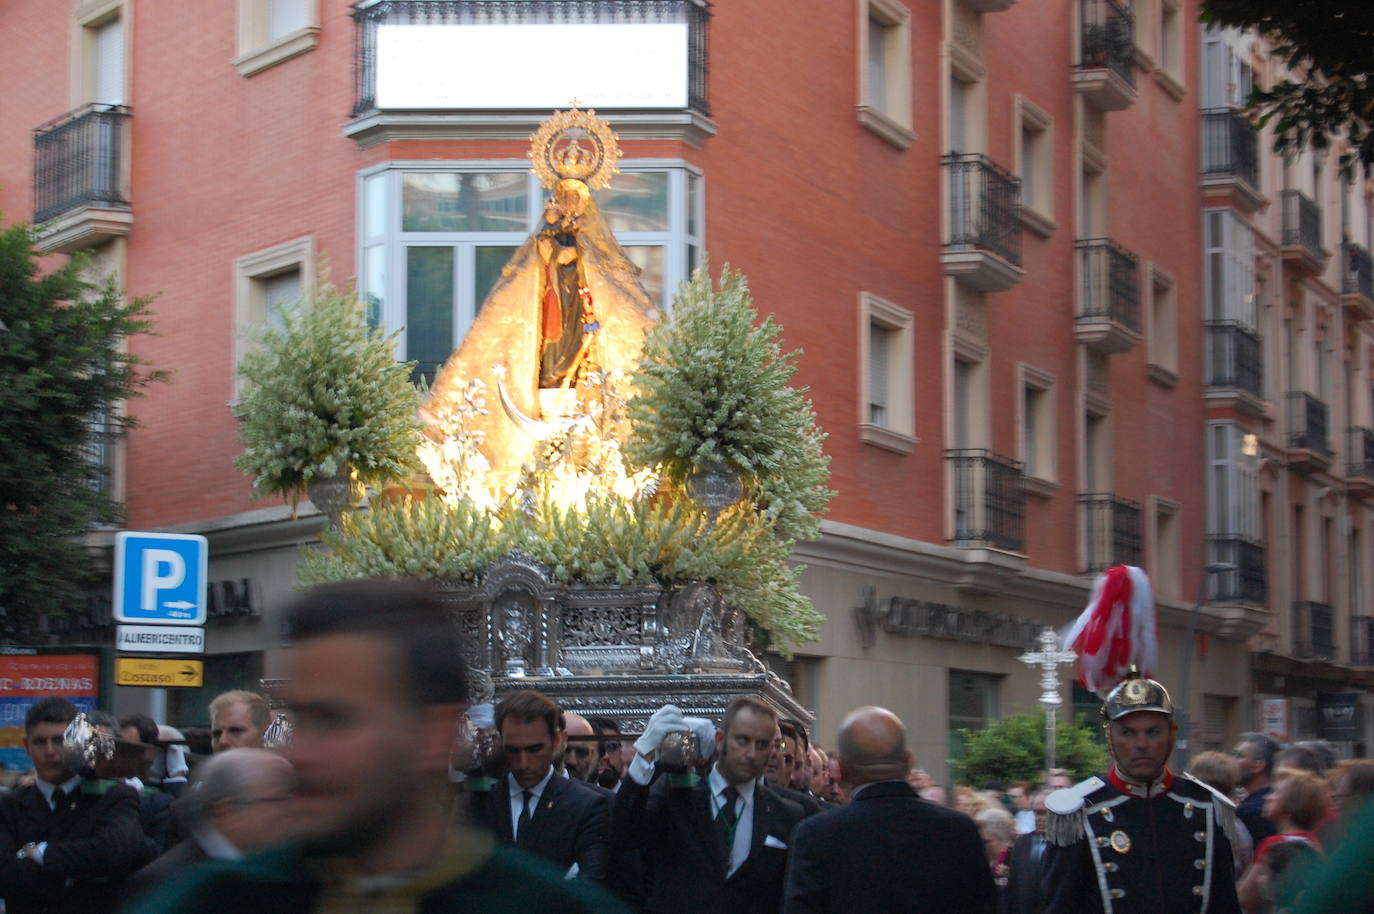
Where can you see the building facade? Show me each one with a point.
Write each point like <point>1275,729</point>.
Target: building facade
<point>1040,342</point>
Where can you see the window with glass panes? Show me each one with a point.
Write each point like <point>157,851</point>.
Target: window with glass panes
<point>434,237</point>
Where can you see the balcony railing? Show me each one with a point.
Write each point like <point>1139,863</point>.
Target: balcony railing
<point>1307,423</point>
<point>695,14</point>
<point>1361,453</point>
<point>1111,283</point>
<point>77,161</point>
<point>1362,640</point>
<point>984,203</point>
<point>1234,358</point>
<point>1230,146</point>
<point>1107,38</point>
<point>1313,632</point>
<point>1358,275</point>
<point>1111,530</point>
<point>1246,583</point>
<point>1302,223</point>
<point>989,503</point>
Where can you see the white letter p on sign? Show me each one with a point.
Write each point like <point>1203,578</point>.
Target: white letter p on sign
<point>163,569</point>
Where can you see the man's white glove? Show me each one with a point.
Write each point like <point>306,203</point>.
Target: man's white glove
<point>706,735</point>
<point>667,719</point>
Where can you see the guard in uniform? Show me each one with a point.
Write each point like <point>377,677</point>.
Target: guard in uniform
<point>1140,839</point>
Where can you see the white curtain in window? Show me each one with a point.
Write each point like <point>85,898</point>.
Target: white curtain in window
<point>285,17</point>
<point>109,63</point>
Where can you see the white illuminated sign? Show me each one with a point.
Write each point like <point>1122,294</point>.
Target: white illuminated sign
<point>532,66</point>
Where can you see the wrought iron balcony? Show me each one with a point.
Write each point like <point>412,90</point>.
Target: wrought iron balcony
<point>1313,631</point>
<point>1234,358</point>
<point>1362,640</point>
<point>77,161</point>
<point>1246,583</point>
<point>1301,233</point>
<point>989,503</point>
<point>1307,424</point>
<point>695,14</point>
<point>1230,146</point>
<point>1106,61</point>
<point>984,223</point>
<point>1111,531</point>
<point>1361,453</point>
<point>1109,296</point>
<point>1357,282</point>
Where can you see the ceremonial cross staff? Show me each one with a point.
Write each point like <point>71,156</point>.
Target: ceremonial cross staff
<point>1049,658</point>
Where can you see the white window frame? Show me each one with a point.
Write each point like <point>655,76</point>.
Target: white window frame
<point>1041,474</point>
<point>1236,511</point>
<point>681,246</point>
<point>1161,334</point>
<point>1171,73</point>
<point>1233,242</point>
<point>88,19</point>
<point>258,49</point>
<point>1036,214</point>
<point>250,301</point>
<point>890,120</point>
<point>898,434</point>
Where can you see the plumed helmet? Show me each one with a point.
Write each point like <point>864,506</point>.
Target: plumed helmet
<point>1136,693</point>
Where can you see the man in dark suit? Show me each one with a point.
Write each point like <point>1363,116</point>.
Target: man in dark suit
<point>533,807</point>
<point>713,844</point>
<point>1255,754</point>
<point>67,842</point>
<point>887,850</point>
<point>237,807</point>
<point>786,760</point>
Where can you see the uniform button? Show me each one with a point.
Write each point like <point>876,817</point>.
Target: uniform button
<point>1117,893</point>
<point>1199,836</point>
<point>1200,864</point>
<point>1197,890</point>
<point>1102,842</point>
<point>1109,867</point>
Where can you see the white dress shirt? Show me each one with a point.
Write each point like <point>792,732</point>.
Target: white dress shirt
<point>517,800</point>
<point>744,816</point>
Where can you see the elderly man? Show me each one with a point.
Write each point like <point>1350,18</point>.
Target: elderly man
<point>1255,754</point>
<point>237,720</point>
<point>374,689</point>
<point>1139,839</point>
<point>67,842</point>
<point>887,850</point>
<point>534,809</point>
<point>238,807</point>
<point>717,843</point>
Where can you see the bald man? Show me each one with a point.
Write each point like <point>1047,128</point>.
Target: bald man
<point>579,753</point>
<point>887,850</point>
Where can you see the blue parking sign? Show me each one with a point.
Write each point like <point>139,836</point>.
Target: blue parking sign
<point>160,577</point>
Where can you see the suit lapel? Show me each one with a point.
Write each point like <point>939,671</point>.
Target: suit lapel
<point>763,810</point>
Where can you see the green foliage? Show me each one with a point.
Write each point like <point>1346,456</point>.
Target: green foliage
<point>325,393</point>
<point>423,538</point>
<point>714,385</point>
<point>64,370</point>
<point>1013,749</point>
<point>1329,45</point>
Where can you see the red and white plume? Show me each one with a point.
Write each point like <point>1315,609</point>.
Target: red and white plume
<point>1116,630</point>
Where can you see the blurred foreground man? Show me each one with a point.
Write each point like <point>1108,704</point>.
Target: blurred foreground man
<point>67,842</point>
<point>375,682</point>
<point>237,808</point>
<point>716,844</point>
<point>1141,839</point>
<point>887,850</point>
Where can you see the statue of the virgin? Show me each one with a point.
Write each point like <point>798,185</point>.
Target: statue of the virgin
<point>568,304</point>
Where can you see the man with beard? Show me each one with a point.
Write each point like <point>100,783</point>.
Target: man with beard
<point>1139,839</point>
<point>717,843</point>
<point>375,684</point>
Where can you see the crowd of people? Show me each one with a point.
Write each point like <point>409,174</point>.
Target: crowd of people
<point>394,794</point>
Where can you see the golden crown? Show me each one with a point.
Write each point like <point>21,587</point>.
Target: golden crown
<point>575,144</point>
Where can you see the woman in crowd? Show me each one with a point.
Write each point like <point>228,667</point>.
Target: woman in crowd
<point>1297,806</point>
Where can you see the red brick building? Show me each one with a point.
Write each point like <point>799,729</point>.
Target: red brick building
<point>980,220</point>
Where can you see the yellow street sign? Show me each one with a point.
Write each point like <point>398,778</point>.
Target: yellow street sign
<point>135,671</point>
